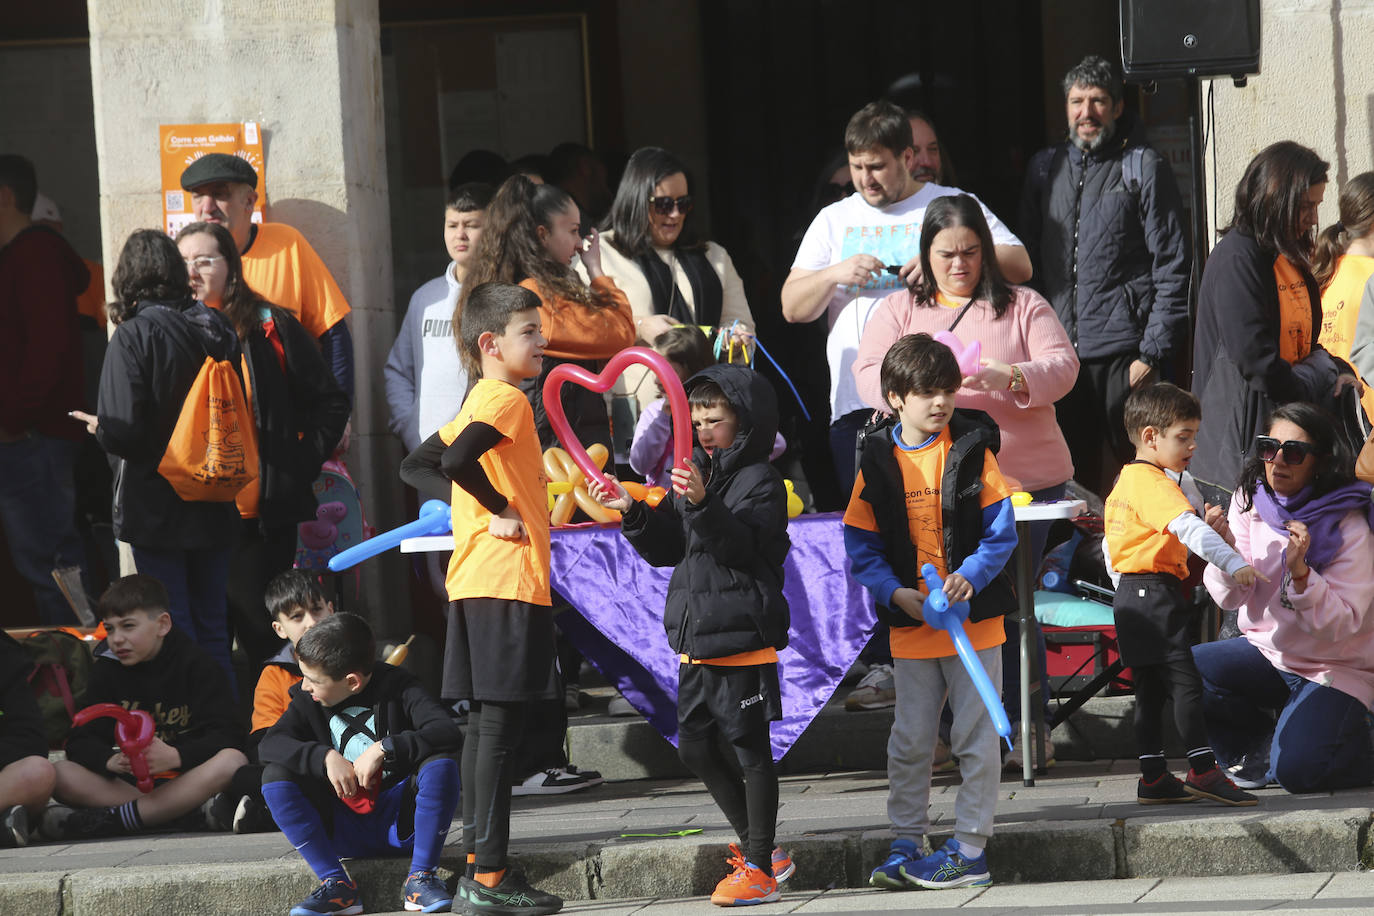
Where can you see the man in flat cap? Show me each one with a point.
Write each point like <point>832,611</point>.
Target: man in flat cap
<point>278,262</point>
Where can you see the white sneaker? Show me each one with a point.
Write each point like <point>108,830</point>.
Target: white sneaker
<point>876,691</point>
<point>556,781</point>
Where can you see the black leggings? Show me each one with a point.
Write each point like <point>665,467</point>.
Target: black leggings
<point>1154,684</point>
<point>750,804</point>
<point>489,758</point>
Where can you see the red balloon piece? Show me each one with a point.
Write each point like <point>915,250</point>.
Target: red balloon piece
<point>133,733</point>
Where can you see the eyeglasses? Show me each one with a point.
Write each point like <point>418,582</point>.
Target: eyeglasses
<point>663,206</point>
<point>203,263</point>
<point>1294,452</point>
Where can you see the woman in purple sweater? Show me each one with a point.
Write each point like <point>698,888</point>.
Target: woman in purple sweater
<point>1286,701</point>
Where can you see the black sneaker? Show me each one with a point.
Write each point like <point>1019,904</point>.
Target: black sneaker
<point>90,824</point>
<point>555,781</point>
<point>512,897</point>
<point>218,812</point>
<point>1166,789</point>
<point>14,827</point>
<point>253,816</point>
<point>593,777</point>
<point>1215,785</point>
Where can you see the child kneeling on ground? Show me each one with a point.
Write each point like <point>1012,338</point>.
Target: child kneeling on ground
<point>363,762</point>
<point>725,531</point>
<point>146,663</point>
<point>928,490</point>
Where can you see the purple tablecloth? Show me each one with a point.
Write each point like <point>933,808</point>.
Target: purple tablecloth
<point>619,602</point>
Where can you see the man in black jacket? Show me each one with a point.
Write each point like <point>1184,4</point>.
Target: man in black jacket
<point>1102,220</point>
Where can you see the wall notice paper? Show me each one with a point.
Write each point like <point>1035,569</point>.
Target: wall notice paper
<point>182,144</point>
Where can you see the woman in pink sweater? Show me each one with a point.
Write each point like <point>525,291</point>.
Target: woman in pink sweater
<point>1028,363</point>
<point>1286,701</point>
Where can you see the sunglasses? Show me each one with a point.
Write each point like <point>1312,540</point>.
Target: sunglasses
<point>663,206</point>
<point>1294,452</point>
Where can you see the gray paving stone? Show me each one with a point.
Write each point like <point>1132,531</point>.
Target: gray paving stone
<point>1254,887</point>
<point>32,892</point>
<point>1253,843</point>
<point>1063,893</point>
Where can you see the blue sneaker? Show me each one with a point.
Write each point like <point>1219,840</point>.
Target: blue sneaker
<point>334,896</point>
<point>425,893</point>
<point>946,867</point>
<point>888,875</point>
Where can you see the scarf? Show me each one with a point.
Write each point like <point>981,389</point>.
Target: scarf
<point>1321,514</point>
<point>668,299</point>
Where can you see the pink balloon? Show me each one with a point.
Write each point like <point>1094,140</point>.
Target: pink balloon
<point>970,358</point>
<point>672,389</point>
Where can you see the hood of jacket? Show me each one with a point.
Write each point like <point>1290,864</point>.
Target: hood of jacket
<point>200,327</point>
<point>756,410</point>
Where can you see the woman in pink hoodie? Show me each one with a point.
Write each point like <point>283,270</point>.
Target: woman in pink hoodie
<point>1027,364</point>
<point>1286,701</point>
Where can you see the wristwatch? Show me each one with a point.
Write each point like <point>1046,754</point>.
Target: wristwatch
<point>1018,380</point>
<point>388,751</point>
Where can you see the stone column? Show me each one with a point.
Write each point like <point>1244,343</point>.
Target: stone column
<point>1315,85</point>
<point>309,71</point>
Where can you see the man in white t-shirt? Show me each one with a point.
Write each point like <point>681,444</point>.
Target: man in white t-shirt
<point>859,249</point>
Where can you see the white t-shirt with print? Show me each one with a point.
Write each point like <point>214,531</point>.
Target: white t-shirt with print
<point>892,234</point>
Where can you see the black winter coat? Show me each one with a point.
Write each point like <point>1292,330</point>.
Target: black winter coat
<point>725,596</point>
<point>152,361</point>
<point>1113,263</point>
<point>403,711</point>
<point>1237,370</point>
<point>300,417</point>
<point>21,721</point>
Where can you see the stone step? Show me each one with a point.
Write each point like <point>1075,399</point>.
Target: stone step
<point>630,748</point>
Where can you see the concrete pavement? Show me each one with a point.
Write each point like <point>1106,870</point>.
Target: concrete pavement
<point>1078,824</point>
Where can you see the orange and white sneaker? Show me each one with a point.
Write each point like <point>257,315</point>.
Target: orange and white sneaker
<point>746,885</point>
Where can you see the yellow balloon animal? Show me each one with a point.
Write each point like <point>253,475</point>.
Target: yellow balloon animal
<point>794,502</point>
<point>568,486</point>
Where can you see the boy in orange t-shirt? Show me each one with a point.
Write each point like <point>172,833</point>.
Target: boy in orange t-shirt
<point>1150,530</point>
<point>928,490</point>
<point>295,602</point>
<point>500,648</point>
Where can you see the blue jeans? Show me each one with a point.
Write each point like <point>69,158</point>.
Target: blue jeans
<point>1318,737</point>
<point>196,583</point>
<point>844,437</point>
<point>38,510</point>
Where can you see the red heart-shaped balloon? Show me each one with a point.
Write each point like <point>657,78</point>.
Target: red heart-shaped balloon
<point>672,389</point>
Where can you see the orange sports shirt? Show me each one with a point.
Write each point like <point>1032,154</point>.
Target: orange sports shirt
<point>484,566</point>
<point>1139,509</point>
<point>923,469</point>
<point>271,697</point>
<point>281,267</point>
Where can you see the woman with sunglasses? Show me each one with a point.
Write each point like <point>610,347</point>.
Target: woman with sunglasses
<point>300,413</point>
<point>655,254</point>
<point>1286,701</point>
<point>1259,313</point>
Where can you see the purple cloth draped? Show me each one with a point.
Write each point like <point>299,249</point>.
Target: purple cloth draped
<point>618,624</point>
<point>1322,515</point>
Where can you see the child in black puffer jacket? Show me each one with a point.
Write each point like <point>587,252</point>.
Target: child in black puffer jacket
<point>725,531</point>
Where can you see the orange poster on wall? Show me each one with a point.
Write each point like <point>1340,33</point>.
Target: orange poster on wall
<point>182,144</point>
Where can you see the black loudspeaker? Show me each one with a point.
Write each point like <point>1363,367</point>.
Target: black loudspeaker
<point>1164,38</point>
